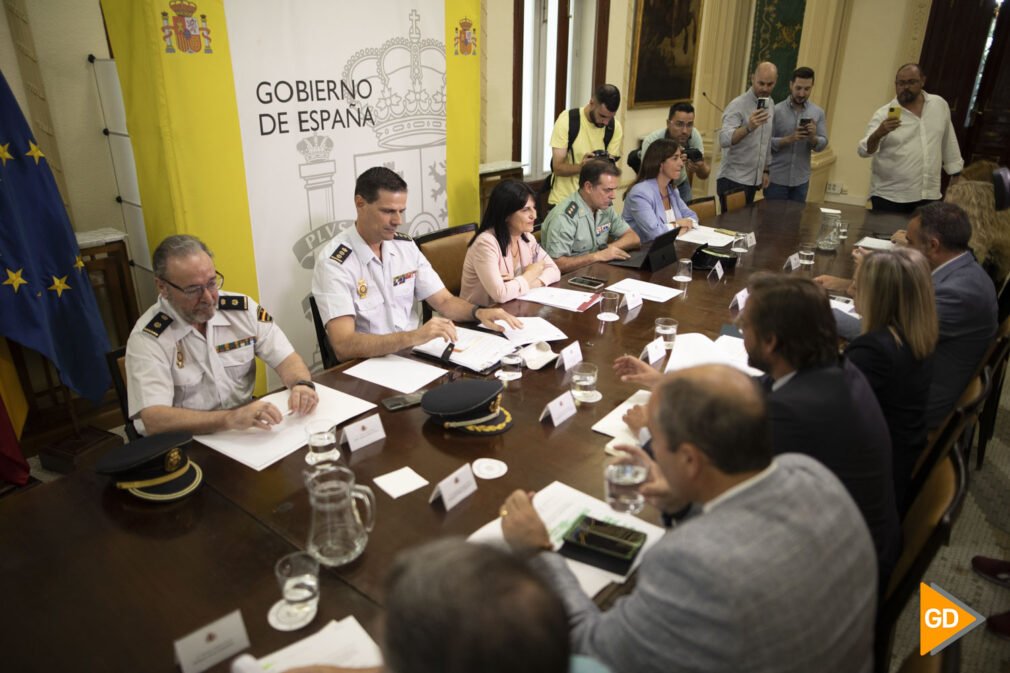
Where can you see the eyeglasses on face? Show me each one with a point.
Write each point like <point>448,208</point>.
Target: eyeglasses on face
<point>194,291</point>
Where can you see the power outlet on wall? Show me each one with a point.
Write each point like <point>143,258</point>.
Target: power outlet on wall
<point>836,188</point>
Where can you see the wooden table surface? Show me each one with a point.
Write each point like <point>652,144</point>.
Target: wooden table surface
<point>93,576</point>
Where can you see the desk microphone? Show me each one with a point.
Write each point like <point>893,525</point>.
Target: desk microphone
<point>705,96</point>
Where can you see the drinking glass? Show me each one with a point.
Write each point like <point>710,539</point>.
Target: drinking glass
<point>739,245</point>
<point>622,480</point>
<point>583,384</point>
<point>667,329</point>
<point>321,435</point>
<point>298,577</point>
<point>807,254</point>
<point>511,367</point>
<point>608,306</point>
<point>684,270</point>
<point>843,229</point>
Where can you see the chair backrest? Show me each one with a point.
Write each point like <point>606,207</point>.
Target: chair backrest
<point>704,207</point>
<point>325,350</point>
<point>736,200</point>
<point>537,230</point>
<point>925,528</point>
<point>445,250</point>
<point>116,361</point>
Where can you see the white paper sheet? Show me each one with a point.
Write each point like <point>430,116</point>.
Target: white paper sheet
<point>559,505</point>
<point>534,329</point>
<point>702,234</point>
<point>871,243</point>
<point>844,307</point>
<point>259,449</point>
<point>398,373</point>
<point>473,349</point>
<point>613,424</point>
<point>650,291</point>
<point>690,350</point>
<point>400,482</point>
<point>570,300</point>
<point>344,643</point>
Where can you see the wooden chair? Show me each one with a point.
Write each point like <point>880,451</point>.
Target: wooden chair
<point>325,350</point>
<point>925,528</point>
<point>116,361</point>
<point>955,430</point>
<point>997,362</point>
<point>736,200</point>
<point>445,250</point>
<point>946,661</point>
<point>705,207</point>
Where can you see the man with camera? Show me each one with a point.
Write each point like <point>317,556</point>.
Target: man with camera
<point>584,228</point>
<point>680,127</point>
<point>798,130</point>
<point>581,135</point>
<point>746,137</point>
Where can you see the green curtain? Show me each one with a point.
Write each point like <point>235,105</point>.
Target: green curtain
<point>777,28</point>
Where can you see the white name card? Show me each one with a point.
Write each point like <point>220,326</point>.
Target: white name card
<point>212,644</point>
<point>739,299</point>
<point>560,409</point>
<point>632,300</point>
<point>654,351</point>
<point>717,272</point>
<point>362,433</point>
<point>792,262</point>
<point>571,355</point>
<point>752,240</point>
<point>455,488</point>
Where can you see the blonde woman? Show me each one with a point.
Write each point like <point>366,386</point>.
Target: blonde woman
<point>894,293</point>
<point>990,230</point>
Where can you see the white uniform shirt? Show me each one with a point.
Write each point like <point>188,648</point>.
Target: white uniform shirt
<point>350,280</point>
<point>168,362</point>
<point>906,165</point>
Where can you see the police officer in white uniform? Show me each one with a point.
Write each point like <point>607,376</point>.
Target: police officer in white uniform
<point>368,278</point>
<point>190,360</point>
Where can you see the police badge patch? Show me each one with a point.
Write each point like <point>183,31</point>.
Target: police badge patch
<point>158,324</point>
<point>340,254</point>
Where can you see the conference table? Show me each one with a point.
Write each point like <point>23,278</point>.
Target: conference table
<point>116,581</point>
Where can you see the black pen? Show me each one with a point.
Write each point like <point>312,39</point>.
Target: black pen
<point>448,351</point>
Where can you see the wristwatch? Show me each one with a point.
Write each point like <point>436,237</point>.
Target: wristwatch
<point>473,313</point>
<point>303,382</point>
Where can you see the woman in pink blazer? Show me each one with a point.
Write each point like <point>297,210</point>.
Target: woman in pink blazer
<point>505,260</point>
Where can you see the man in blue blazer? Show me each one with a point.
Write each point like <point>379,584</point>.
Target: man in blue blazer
<point>965,303</point>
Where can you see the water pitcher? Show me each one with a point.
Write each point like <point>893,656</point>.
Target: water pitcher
<point>827,238</point>
<point>339,529</point>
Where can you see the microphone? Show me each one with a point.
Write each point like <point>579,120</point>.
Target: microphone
<point>705,96</point>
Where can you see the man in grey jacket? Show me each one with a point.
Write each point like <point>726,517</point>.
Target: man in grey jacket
<point>775,570</point>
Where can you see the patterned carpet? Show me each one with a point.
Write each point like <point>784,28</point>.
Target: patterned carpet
<point>983,527</point>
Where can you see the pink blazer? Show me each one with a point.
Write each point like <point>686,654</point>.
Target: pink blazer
<point>489,277</point>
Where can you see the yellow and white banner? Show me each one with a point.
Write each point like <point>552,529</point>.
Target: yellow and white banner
<point>251,119</point>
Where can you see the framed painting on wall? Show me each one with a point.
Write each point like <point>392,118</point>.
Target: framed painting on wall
<point>664,51</point>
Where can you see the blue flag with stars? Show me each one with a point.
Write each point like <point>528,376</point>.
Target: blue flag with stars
<point>46,301</point>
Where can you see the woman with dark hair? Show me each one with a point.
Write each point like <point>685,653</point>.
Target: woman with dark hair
<point>504,260</point>
<point>652,204</point>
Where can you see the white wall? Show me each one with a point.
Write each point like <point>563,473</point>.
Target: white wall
<point>498,44</point>
<point>9,61</point>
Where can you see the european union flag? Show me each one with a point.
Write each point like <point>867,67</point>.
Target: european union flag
<point>46,301</point>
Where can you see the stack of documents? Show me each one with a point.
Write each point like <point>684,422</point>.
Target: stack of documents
<point>690,350</point>
<point>874,243</point>
<point>649,291</point>
<point>702,234</point>
<point>344,643</point>
<point>472,349</point>
<point>258,449</point>
<point>534,329</point>
<point>570,300</point>
<point>559,505</point>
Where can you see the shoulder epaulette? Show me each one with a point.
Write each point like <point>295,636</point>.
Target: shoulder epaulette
<point>233,303</point>
<point>340,254</point>
<point>402,237</point>
<point>263,316</point>
<point>572,209</point>
<point>159,323</point>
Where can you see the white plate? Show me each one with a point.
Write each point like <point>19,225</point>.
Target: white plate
<point>489,468</point>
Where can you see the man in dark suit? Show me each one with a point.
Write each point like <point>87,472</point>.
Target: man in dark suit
<point>820,405</point>
<point>965,303</point>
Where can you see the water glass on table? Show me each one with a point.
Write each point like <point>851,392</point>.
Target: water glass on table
<point>321,435</point>
<point>807,254</point>
<point>684,270</point>
<point>667,329</point>
<point>739,244</point>
<point>609,305</point>
<point>298,577</point>
<point>583,385</point>
<point>622,480</point>
<point>511,367</point>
